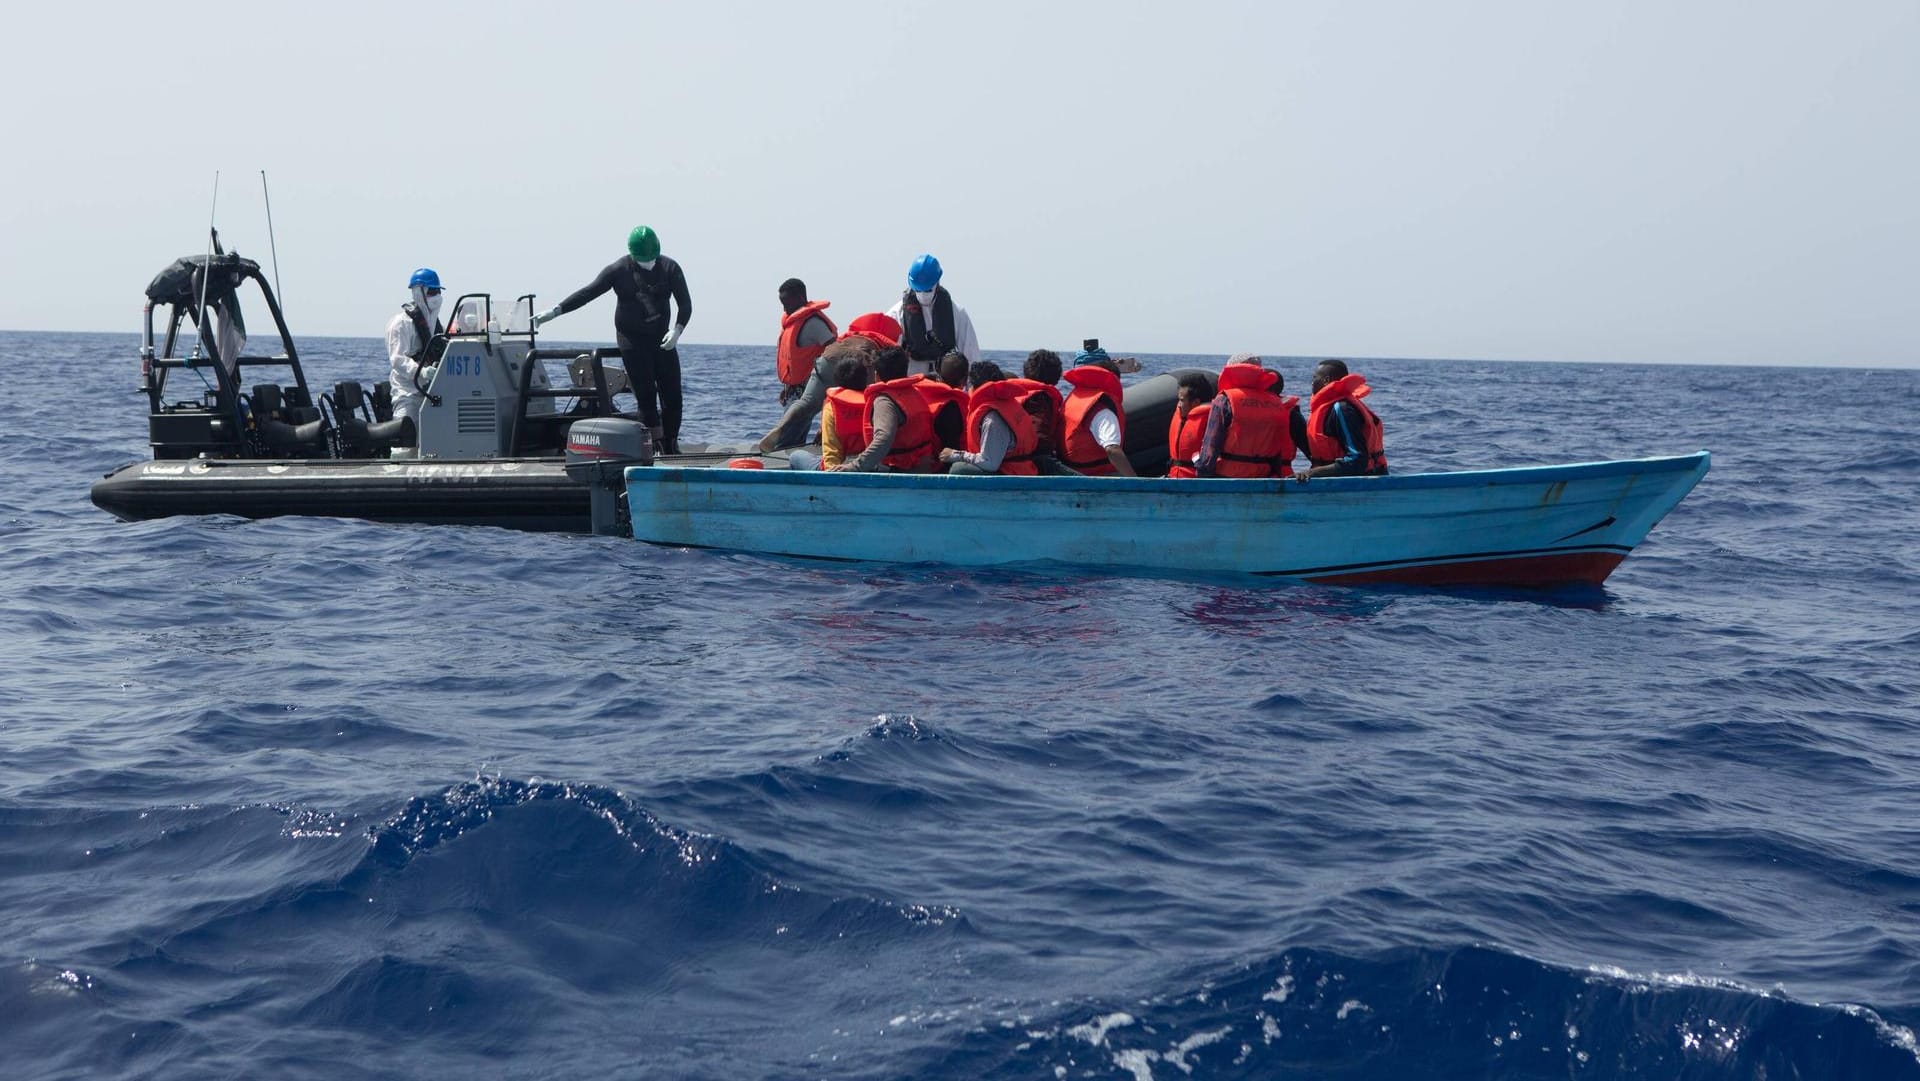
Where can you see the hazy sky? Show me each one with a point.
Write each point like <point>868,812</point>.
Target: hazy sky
<point>1695,181</point>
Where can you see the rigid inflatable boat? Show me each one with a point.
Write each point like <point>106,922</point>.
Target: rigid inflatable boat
<point>500,440</point>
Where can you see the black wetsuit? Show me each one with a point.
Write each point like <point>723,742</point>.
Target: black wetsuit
<point>640,319</point>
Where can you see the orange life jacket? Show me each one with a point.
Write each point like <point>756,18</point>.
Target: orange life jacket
<point>1007,398</point>
<point>795,361</point>
<point>1324,447</point>
<point>940,396</point>
<point>1259,440</point>
<point>1092,386</point>
<point>1183,439</point>
<point>913,444</point>
<point>849,418</point>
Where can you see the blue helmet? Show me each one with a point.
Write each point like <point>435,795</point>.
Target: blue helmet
<point>924,274</point>
<point>424,276</point>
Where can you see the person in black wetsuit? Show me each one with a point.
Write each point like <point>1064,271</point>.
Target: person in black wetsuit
<point>642,282</point>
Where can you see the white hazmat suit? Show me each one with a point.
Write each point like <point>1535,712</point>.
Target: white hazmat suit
<point>403,344</point>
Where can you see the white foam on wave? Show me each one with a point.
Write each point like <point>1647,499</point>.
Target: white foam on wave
<point>1095,1032</point>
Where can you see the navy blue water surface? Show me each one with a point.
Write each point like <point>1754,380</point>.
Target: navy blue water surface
<point>312,798</point>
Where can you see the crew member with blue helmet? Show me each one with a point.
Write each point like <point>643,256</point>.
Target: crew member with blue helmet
<point>415,340</point>
<point>931,324</point>
<point>643,282</point>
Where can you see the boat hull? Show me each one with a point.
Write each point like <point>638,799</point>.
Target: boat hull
<point>1536,527</point>
<point>527,494</point>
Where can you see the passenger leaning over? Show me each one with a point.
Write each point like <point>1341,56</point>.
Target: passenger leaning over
<point>1192,402</point>
<point>896,425</point>
<point>1251,430</point>
<point>1094,440</point>
<point>846,403</point>
<point>1344,437</point>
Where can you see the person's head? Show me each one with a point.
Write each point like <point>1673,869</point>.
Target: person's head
<point>793,295</point>
<point>1043,366</point>
<point>953,369</point>
<point>1194,388</point>
<point>850,372</point>
<point>644,245</point>
<point>983,372</point>
<point>425,287</point>
<point>1328,371</point>
<point>1091,353</point>
<point>890,364</point>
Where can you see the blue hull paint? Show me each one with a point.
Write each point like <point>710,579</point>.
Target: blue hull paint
<point>1542,525</point>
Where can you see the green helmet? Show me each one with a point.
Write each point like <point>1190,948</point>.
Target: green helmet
<point>643,245</point>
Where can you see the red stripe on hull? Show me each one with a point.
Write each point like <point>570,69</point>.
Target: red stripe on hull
<point>1558,569</point>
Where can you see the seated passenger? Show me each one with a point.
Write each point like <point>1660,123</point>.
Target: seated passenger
<point>896,427</point>
<point>1250,429</point>
<point>1094,439</point>
<point>846,403</point>
<point>1043,366</point>
<point>947,397</point>
<point>1188,423</point>
<point>1005,428</point>
<point>1344,437</point>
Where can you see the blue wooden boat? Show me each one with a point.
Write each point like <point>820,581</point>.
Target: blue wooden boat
<point>1534,526</point>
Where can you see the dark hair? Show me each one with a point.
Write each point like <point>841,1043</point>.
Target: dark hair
<point>794,285</point>
<point>953,369</point>
<point>890,364</point>
<point>982,372</point>
<point>1279,381</point>
<point>1199,386</point>
<point>850,373</point>
<point>1106,362</point>
<point>1043,366</point>
<point>1336,369</point>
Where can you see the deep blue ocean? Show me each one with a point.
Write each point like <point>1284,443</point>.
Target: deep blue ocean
<point>313,798</point>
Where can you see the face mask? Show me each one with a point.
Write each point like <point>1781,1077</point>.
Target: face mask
<point>648,265</point>
<point>433,303</point>
<point>925,299</point>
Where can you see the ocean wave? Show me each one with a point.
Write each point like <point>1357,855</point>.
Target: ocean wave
<point>1437,1013</point>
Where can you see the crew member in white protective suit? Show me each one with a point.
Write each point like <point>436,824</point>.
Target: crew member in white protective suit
<point>409,337</point>
<point>931,324</point>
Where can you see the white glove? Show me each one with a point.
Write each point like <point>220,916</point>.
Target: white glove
<point>550,313</point>
<point>672,337</point>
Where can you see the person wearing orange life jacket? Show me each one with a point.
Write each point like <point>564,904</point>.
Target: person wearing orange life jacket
<point>1093,441</point>
<point>896,426</point>
<point>1251,430</point>
<point>1344,437</point>
<point>805,333</point>
<point>1192,402</point>
<point>946,395</point>
<point>1006,427</point>
<point>841,436</point>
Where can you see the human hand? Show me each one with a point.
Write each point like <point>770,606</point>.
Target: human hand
<point>672,337</point>
<point>949,456</point>
<point>788,394</point>
<point>550,313</point>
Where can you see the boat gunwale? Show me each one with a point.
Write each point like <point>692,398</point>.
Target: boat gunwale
<point>1696,462</point>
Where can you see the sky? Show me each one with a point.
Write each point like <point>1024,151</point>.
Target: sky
<point>1700,182</point>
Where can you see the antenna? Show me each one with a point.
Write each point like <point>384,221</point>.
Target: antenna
<point>206,270</point>
<point>268,199</point>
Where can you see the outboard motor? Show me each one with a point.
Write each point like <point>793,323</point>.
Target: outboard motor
<point>599,450</point>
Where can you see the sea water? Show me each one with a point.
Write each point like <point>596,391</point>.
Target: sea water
<point>316,798</point>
